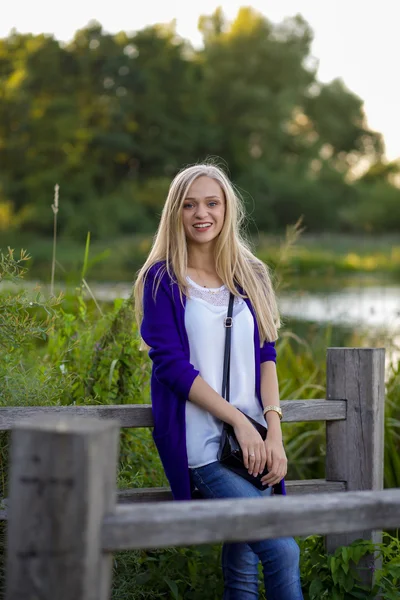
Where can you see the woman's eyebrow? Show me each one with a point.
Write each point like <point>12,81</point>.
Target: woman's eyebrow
<point>207,197</point>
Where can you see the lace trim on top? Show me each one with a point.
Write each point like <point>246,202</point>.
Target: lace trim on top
<point>216,296</point>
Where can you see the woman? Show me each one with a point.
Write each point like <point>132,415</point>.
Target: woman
<point>181,297</point>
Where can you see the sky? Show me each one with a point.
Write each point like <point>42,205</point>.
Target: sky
<point>357,40</point>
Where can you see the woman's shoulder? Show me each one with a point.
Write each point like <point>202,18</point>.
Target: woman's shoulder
<point>159,274</point>
<point>157,270</point>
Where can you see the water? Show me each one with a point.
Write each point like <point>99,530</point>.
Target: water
<point>373,310</point>
<point>355,306</point>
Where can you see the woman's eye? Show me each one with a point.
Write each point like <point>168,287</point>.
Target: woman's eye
<point>188,205</point>
<point>212,204</point>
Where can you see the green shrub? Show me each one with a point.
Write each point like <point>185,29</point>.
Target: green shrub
<point>334,576</point>
<point>194,573</point>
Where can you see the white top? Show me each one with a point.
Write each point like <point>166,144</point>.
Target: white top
<point>205,312</point>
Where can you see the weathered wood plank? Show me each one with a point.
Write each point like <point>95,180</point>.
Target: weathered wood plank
<point>313,410</point>
<point>354,447</point>
<point>140,415</point>
<point>172,523</point>
<point>163,494</point>
<point>316,486</point>
<point>128,415</point>
<point>134,495</point>
<point>62,484</point>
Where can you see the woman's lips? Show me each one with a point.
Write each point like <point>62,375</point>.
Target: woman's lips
<point>206,227</point>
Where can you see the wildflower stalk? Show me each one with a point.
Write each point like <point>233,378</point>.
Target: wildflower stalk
<point>282,268</point>
<point>55,211</point>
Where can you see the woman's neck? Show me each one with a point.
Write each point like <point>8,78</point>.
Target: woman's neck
<point>201,258</point>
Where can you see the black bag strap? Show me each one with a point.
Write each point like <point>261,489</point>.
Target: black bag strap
<point>228,322</point>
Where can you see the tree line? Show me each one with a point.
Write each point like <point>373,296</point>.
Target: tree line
<point>112,118</point>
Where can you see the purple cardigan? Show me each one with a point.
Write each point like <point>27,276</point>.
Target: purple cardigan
<point>163,329</point>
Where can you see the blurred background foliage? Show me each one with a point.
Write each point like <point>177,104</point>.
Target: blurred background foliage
<point>111,118</point>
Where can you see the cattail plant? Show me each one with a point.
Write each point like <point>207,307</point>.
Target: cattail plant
<point>55,211</point>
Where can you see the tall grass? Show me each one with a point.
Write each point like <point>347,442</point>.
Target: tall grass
<point>54,208</point>
<point>392,428</point>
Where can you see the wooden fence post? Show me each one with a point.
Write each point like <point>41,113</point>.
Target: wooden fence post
<point>354,447</point>
<point>62,483</point>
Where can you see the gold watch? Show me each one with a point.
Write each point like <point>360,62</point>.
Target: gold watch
<point>275,408</point>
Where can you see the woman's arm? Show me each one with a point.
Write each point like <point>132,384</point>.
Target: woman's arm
<point>160,331</point>
<point>270,396</point>
<point>250,441</point>
<point>202,394</point>
<point>276,457</point>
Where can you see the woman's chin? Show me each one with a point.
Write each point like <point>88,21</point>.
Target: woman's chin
<point>203,239</point>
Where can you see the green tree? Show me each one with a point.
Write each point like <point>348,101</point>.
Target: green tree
<point>255,78</point>
<point>339,121</point>
<point>111,119</point>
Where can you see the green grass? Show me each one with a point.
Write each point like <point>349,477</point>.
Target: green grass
<point>330,256</point>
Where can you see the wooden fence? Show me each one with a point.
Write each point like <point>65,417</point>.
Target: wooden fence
<point>66,518</point>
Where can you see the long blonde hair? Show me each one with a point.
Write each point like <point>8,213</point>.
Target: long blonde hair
<point>234,261</point>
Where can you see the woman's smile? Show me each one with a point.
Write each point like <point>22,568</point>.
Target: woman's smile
<point>201,227</point>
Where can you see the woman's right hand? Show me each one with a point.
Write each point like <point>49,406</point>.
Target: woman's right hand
<point>251,444</point>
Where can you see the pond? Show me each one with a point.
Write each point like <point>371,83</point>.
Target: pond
<point>354,306</point>
<point>373,310</point>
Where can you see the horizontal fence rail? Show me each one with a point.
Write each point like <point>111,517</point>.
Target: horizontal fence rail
<point>140,415</point>
<point>164,494</point>
<point>308,486</point>
<point>212,521</point>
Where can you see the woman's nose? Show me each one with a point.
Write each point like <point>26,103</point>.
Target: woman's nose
<point>201,212</point>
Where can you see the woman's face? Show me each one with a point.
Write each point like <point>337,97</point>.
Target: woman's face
<point>203,211</point>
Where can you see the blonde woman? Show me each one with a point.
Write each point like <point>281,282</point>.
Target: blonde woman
<point>181,297</point>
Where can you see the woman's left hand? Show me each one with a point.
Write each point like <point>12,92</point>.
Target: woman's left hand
<point>276,460</point>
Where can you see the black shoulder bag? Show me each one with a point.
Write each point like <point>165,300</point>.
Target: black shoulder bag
<point>229,452</point>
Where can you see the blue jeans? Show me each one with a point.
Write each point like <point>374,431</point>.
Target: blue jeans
<point>279,557</point>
